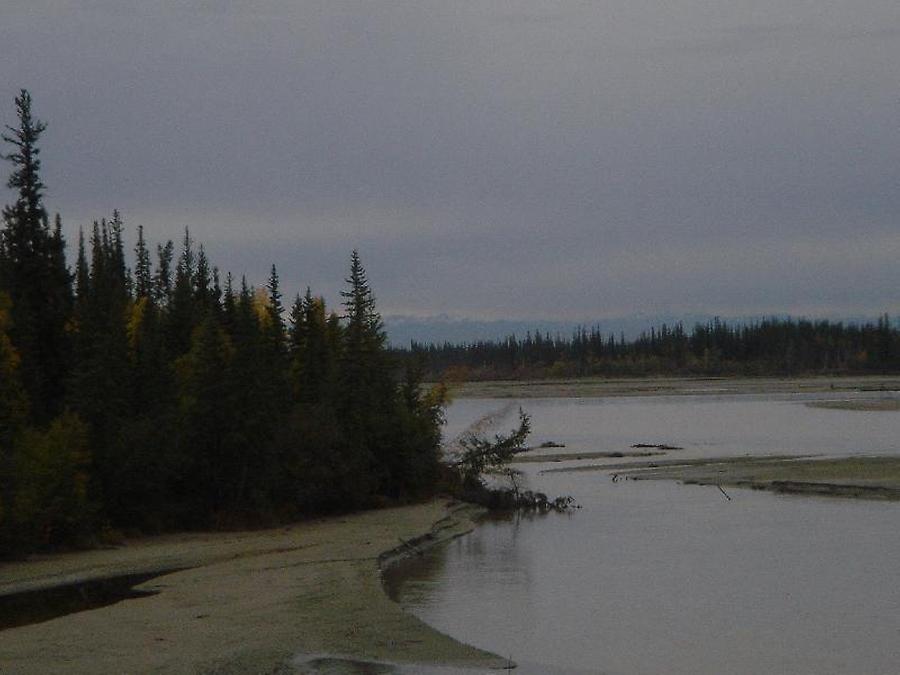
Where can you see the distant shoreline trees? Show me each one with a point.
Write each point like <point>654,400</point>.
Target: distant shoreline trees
<point>164,398</point>
<point>773,347</point>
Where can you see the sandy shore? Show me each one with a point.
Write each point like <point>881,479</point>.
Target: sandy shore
<point>850,477</point>
<point>246,602</point>
<point>671,386</point>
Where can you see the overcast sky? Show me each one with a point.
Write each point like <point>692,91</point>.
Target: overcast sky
<point>535,159</point>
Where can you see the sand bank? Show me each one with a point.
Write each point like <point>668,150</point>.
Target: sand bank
<point>863,405</point>
<point>865,477</point>
<point>246,602</point>
<point>671,386</point>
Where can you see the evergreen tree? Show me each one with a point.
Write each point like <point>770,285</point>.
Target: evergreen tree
<point>82,274</point>
<point>204,295</point>
<point>143,275</point>
<point>364,376</point>
<point>13,415</point>
<point>368,395</point>
<point>162,280</point>
<point>100,388</point>
<point>314,352</point>
<point>181,311</point>
<point>33,272</point>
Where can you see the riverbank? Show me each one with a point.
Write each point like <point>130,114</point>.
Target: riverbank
<point>244,602</point>
<point>672,386</point>
<point>850,477</point>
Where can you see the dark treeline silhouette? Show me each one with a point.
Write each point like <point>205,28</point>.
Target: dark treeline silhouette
<point>767,347</point>
<point>166,397</point>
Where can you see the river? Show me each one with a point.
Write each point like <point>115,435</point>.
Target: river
<point>657,577</point>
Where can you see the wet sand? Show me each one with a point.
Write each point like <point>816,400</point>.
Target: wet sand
<point>854,477</point>
<point>246,602</point>
<point>671,386</point>
<point>869,405</point>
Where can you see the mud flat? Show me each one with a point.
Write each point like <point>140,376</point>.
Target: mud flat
<point>854,477</point>
<point>248,602</point>
<point>864,405</point>
<point>671,386</point>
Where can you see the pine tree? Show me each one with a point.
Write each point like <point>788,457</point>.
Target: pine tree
<point>181,311</point>
<point>162,280</point>
<point>82,274</point>
<point>313,352</point>
<point>276,311</point>
<point>100,385</point>
<point>13,415</point>
<point>143,276</point>
<point>363,370</point>
<point>367,394</point>
<point>203,284</point>
<point>33,272</point>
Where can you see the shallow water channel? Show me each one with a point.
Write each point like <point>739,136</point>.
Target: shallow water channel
<point>657,577</point>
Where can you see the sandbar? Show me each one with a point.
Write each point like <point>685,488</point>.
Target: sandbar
<point>243,602</point>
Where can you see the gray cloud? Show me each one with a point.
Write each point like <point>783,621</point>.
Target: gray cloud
<point>566,160</point>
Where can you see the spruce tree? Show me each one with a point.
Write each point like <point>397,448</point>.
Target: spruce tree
<point>181,311</point>
<point>100,387</point>
<point>162,280</point>
<point>33,271</point>
<point>363,370</point>
<point>367,394</point>
<point>143,275</point>
<point>13,414</point>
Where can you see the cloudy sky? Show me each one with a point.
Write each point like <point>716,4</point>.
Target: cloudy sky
<point>534,159</point>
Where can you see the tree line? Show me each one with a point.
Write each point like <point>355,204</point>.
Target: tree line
<point>162,396</point>
<point>775,346</point>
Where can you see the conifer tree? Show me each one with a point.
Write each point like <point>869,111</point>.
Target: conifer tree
<point>100,387</point>
<point>313,352</point>
<point>275,311</point>
<point>203,283</point>
<point>162,280</point>
<point>363,369</point>
<point>32,270</point>
<point>181,315</point>
<point>13,415</point>
<point>82,273</point>
<point>143,275</point>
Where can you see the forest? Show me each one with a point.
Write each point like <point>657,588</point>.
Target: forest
<point>165,397</point>
<point>773,347</point>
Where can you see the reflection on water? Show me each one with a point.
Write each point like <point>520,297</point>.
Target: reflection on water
<point>703,425</point>
<point>655,577</point>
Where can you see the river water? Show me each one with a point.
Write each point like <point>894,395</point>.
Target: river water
<point>657,577</point>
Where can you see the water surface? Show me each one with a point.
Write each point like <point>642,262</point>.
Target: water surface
<point>653,577</point>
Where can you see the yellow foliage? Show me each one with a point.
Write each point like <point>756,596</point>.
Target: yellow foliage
<point>261,305</point>
<point>438,395</point>
<point>135,320</point>
<point>456,374</point>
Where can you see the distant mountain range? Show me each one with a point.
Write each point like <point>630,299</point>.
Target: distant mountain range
<point>442,328</point>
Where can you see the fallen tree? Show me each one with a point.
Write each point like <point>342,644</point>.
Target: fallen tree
<point>480,456</point>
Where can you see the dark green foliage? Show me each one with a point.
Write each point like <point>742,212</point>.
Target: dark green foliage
<point>33,271</point>
<point>768,347</point>
<point>162,280</point>
<point>314,346</point>
<point>51,502</point>
<point>143,273</point>
<point>13,417</point>
<point>185,404</point>
<point>480,455</point>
